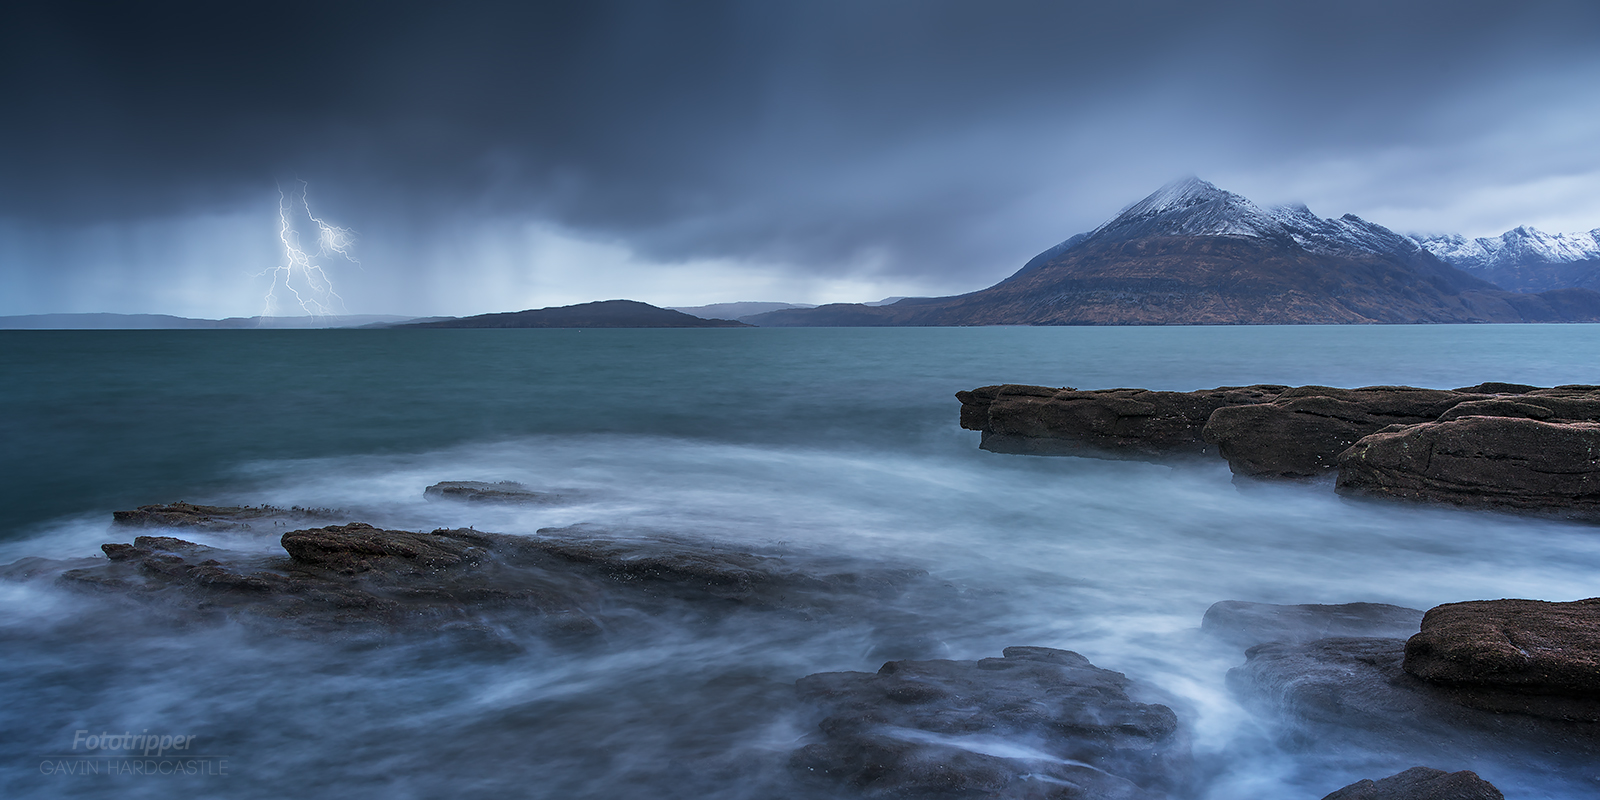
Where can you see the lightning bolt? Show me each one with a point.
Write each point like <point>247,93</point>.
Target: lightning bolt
<point>303,274</point>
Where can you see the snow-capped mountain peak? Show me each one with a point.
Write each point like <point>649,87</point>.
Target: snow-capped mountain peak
<point>1193,207</point>
<point>1518,246</point>
<point>1189,207</point>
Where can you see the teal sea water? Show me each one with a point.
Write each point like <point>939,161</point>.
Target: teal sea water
<point>845,440</point>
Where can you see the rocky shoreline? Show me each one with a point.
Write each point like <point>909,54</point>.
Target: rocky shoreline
<point>1495,445</point>
<point>1519,678</point>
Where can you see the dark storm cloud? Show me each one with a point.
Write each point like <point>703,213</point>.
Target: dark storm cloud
<point>927,135</point>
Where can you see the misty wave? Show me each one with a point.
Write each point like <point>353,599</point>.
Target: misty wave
<point>1115,560</point>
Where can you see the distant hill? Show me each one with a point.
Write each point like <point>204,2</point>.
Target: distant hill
<point>167,322</point>
<point>1193,254</point>
<point>736,310</point>
<point>1524,259</point>
<point>602,314</point>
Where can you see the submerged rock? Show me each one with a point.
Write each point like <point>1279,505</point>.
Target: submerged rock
<point>1523,656</point>
<point>1421,783</point>
<point>1248,624</point>
<point>1107,423</point>
<point>1037,723</point>
<point>1512,463</point>
<point>484,492</point>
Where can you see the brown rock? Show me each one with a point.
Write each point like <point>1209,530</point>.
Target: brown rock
<point>1038,723</point>
<point>1116,423</point>
<point>184,515</point>
<point>1526,656</point>
<point>1495,462</point>
<point>356,547</point>
<point>1301,432</point>
<point>1575,403</point>
<point>1421,783</point>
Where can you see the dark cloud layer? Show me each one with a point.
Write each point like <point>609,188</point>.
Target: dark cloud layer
<point>929,136</point>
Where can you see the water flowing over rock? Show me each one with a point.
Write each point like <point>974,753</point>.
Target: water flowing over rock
<point>357,578</point>
<point>1354,692</point>
<point>1248,624</point>
<point>1517,678</point>
<point>1037,723</point>
<point>1421,783</point>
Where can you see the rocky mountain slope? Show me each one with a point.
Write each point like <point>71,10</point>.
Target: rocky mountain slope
<point>1193,254</point>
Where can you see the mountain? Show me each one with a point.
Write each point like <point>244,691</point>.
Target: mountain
<point>1524,259</point>
<point>602,314</point>
<point>1193,254</point>
<point>736,310</point>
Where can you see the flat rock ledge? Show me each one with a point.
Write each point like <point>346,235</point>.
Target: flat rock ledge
<point>1037,723</point>
<point>1421,783</point>
<point>1493,445</point>
<point>1506,463</point>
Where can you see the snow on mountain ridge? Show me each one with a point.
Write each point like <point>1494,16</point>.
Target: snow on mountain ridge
<point>1521,245</point>
<point>1193,207</point>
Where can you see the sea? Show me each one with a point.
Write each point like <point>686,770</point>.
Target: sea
<point>834,441</point>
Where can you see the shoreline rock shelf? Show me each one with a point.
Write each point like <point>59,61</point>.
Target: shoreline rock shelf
<point>1494,445</point>
<point>358,579</point>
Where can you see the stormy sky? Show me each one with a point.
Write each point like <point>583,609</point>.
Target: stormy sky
<point>498,156</point>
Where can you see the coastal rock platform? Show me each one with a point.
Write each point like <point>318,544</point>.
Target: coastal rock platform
<point>1494,445</point>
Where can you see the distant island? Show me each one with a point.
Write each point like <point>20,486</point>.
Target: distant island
<point>1193,254</point>
<point>601,314</point>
